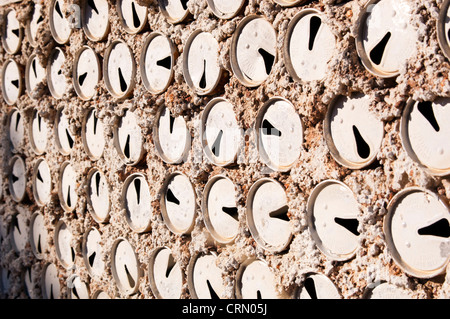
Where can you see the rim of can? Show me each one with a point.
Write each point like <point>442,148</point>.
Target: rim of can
<point>212,6</point>
<point>289,3</point>
<point>122,20</point>
<point>56,241</point>
<point>88,34</point>
<point>20,89</point>
<point>173,50</point>
<point>205,212</point>
<point>58,144</point>
<point>166,219</point>
<point>330,142</point>
<point>33,217</point>
<point>387,230</point>
<point>60,195</point>
<point>129,91</point>
<point>169,17</point>
<point>261,151</point>
<point>11,189</point>
<point>91,173</point>
<point>407,145</point>
<point>123,201</point>
<point>75,71</point>
<point>35,171</point>
<point>5,46</point>
<point>157,143</point>
<point>240,272</point>
<point>52,27</point>
<point>250,222</point>
<point>49,76</point>
<point>311,225</point>
<point>83,134</point>
<point>190,270</point>
<point>365,60</point>
<point>233,48</point>
<point>206,149</point>
<point>114,270</point>
<point>151,274</point>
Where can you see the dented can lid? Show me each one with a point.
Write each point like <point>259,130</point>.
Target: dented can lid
<point>86,73</point>
<point>128,139</point>
<point>35,74</point>
<point>175,11</point>
<point>178,203</point>
<point>226,9</point>
<point>352,132</point>
<point>67,187</point>
<point>219,207</point>
<point>157,62</point>
<point>98,195</point>
<point>17,178</point>
<point>119,70</point>
<point>77,288</point>
<point>125,266</point>
<point>279,132</point>
<point>63,244</point>
<point>12,32</point>
<point>385,37</point>
<point>51,286</point>
<point>267,215</point>
<point>38,133</point>
<point>93,134</point>
<point>56,80</point>
<point>417,229</point>
<point>38,235</point>
<point>19,231</point>
<point>42,182</point>
<point>165,274</point>
<point>34,24</point>
<point>65,139</point>
<point>253,50</point>
<point>424,131</point>
<point>93,252</point>
<point>201,68</point>
<point>136,201</point>
<point>12,84</point>
<point>95,19</point>
<point>16,131</point>
<point>205,277</point>
<point>132,15</point>
<point>59,25</point>
<point>171,136</point>
<point>332,216</point>
<point>309,46</point>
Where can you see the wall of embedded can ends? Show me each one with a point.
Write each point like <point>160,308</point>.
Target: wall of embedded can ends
<point>225,149</point>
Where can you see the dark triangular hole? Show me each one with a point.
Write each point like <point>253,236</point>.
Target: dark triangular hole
<point>15,83</point>
<point>172,122</point>
<point>232,211</point>
<point>97,183</point>
<point>73,253</point>
<point>216,146</point>
<point>69,139</point>
<point>211,291</point>
<point>92,258</point>
<point>426,109</point>
<point>351,224</point>
<point>18,120</point>
<point>280,213</point>
<point>269,59</point>
<point>441,228</point>
<point>16,32</point>
<point>136,20</point>
<point>60,72</point>
<point>95,124</point>
<point>126,149</point>
<point>314,26</point>
<point>91,3</point>
<point>269,129</point>
<point>33,64</point>
<point>131,281</point>
<point>51,292</point>
<point>202,83</point>
<point>39,176</point>
<point>361,145</point>
<point>171,197</point>
<point>40,19</point>
<point>58,9</point>
<point>82,77</point>
<point>39,247</point>
<point>137,187</point>
<point>310,287</point>
<point>258,294</point>
<point>39,118</point>
<point>165,63</point>
<point>376,55</point>
<point>170,265</point>
<point>14,178</point>
<point>68,201</point>
<point>16,225</point>
<point>184,4</point>
<point>123,83</point>
<point>74,291</point>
